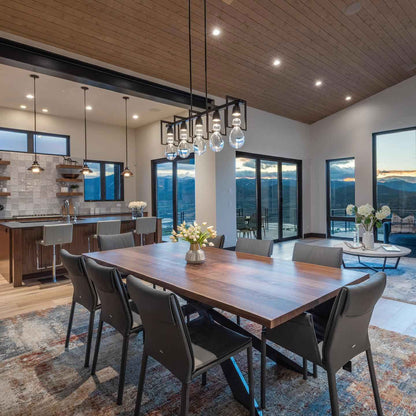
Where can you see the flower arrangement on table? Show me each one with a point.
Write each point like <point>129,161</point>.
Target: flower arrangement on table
<point>197,236</point>
<point>368,218</point>
<point>137,208</point>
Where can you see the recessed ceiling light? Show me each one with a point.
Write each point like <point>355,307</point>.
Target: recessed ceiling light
<point>353,8</point>
<point>216,31</point>
<point>277,62</point>
<point>23,107</point>
<point>88,107</point>
<point>29,96</point>
<point>135,116</point>
<point>318,83</point>
<point>348,98</point>
<point>44,110</point>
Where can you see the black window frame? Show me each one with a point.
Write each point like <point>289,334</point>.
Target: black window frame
<point>374,169</point>
<point>102,180</point>
<point>279,160</point>
<point>175,162</point>
<point>330,218</point>
<point>30,141</point>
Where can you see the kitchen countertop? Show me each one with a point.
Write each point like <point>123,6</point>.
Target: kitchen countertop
<point>80,221</point>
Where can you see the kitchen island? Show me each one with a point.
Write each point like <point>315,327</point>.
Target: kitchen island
<point>18,243</point>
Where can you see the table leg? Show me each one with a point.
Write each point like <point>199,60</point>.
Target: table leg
<point>263,368</point>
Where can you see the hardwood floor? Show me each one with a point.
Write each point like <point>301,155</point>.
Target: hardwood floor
<point>33,296</point>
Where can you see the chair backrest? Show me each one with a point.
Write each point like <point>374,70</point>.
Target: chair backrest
<point>57,234</point>
<point>167,339</point>
<point>115,308</point>
<point>313,254</point>
<point>252,246</point>
<point>218,241</point>
<point>346,334</point>
<point>108,227</point>
<point>115,241</point>
<point>84,290</point>
<point>146,225</point>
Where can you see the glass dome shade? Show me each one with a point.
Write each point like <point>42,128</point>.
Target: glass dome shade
<point>236,137</point>
<point>216,142</point>
<point>200,147</point>
<point>184,149</point>
<point>170,152</point>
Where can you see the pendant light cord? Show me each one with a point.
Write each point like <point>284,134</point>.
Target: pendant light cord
<point>190,52</point>
<point>34,114</point>
<point>206,61</point>
<point>85,122</point>
<point>125,106</point>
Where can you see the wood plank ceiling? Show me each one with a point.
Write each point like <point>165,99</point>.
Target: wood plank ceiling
<point>357,55</point>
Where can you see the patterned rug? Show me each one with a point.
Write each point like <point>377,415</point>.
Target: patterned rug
<point>39,378</point>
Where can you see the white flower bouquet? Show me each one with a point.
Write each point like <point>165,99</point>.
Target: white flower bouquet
<point>367,216</point>
<point>194,234</point>
<point>137,205</point>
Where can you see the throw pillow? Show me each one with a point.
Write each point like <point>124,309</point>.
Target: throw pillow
<point>396,224</point>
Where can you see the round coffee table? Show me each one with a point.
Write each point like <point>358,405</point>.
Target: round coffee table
<point>379,252</point>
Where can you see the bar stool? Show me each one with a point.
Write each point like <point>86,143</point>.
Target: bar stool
<point>145,225</point>
<point>109,227</point>
<point>53,234</point>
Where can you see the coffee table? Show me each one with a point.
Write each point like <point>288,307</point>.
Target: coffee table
<point>378,253</point>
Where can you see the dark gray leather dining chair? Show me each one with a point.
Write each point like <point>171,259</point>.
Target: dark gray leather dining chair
<point>218,241</point>
<point>84,294</point>
<point>115,241</point>
<point>117,310</point>
<point>346,335</point>
<point>253,246</point>
<point>187,351</point>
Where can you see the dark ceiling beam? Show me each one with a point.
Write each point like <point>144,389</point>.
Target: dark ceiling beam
<point>45,62</point>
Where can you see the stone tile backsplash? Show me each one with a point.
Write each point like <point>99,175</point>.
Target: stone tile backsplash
<point>36,194</point>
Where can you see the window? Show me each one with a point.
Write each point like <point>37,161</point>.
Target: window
<point>394,165</point>
<point>340,192</point>
<point>173,193</point>
<point>105,183</point>
<point>23,141</point>
<point>268,191</point>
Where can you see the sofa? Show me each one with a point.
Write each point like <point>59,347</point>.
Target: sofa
<point>401,239</point>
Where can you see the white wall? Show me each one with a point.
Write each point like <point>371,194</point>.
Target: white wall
<point>348,133</point>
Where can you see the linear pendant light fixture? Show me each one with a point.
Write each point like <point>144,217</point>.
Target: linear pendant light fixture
<point>126,172</point>
<point>35,168</point>
<point>187,134</point>
<point>85,168</point>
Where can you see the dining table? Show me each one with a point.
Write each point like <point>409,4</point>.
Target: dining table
<point>263,290</point>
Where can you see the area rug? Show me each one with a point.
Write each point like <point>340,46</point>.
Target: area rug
<point>401,282</point>
<point>39,378</point>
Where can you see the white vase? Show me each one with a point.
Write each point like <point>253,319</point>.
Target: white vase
<point>368,240</point>
<point>195,255</point>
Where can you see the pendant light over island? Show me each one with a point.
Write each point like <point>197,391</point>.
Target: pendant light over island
<point>85,168</point>
<point>126,172</point>
<point>35,168</point>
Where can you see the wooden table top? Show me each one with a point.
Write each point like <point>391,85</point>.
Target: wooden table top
<point>265,290</point>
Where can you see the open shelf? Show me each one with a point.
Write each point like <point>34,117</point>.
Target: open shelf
<point>65,180</point>
<point>69,194</point>
<point>4,193</point>
<point>79,167</point>
<point>4,162</point>
<point>4,178</point>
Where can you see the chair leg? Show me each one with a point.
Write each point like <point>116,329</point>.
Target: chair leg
<point>141,385</point>
<point>123,370</point>
<point>185,399</point>
<point>71,317</point>
<point>263,369</point>
<point>238,320</point>
<point>374,382</point>
<point>204,379</point>
<point>315,371</point>
<point>89,339</point>
<point>333,394</point>
<point>305,369</point>
<point>250,378</point>
<point>97,347</point>
<point>53,263</point>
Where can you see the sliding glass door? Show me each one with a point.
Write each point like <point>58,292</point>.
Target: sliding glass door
<point>173,192</point>
<point>268,197</point>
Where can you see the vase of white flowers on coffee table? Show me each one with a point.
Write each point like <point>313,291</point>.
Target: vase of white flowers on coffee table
<point>367,217</point>
<point>137,208</point>
<point>197,236</point>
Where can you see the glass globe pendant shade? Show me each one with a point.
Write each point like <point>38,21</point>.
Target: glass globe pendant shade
<point>170,152</point>
<point>85,169</point>
<point>216,142</point>
<point>200,147</point>
<point>236,137</point>
<point>184,149</point>
<point>36,168</point>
